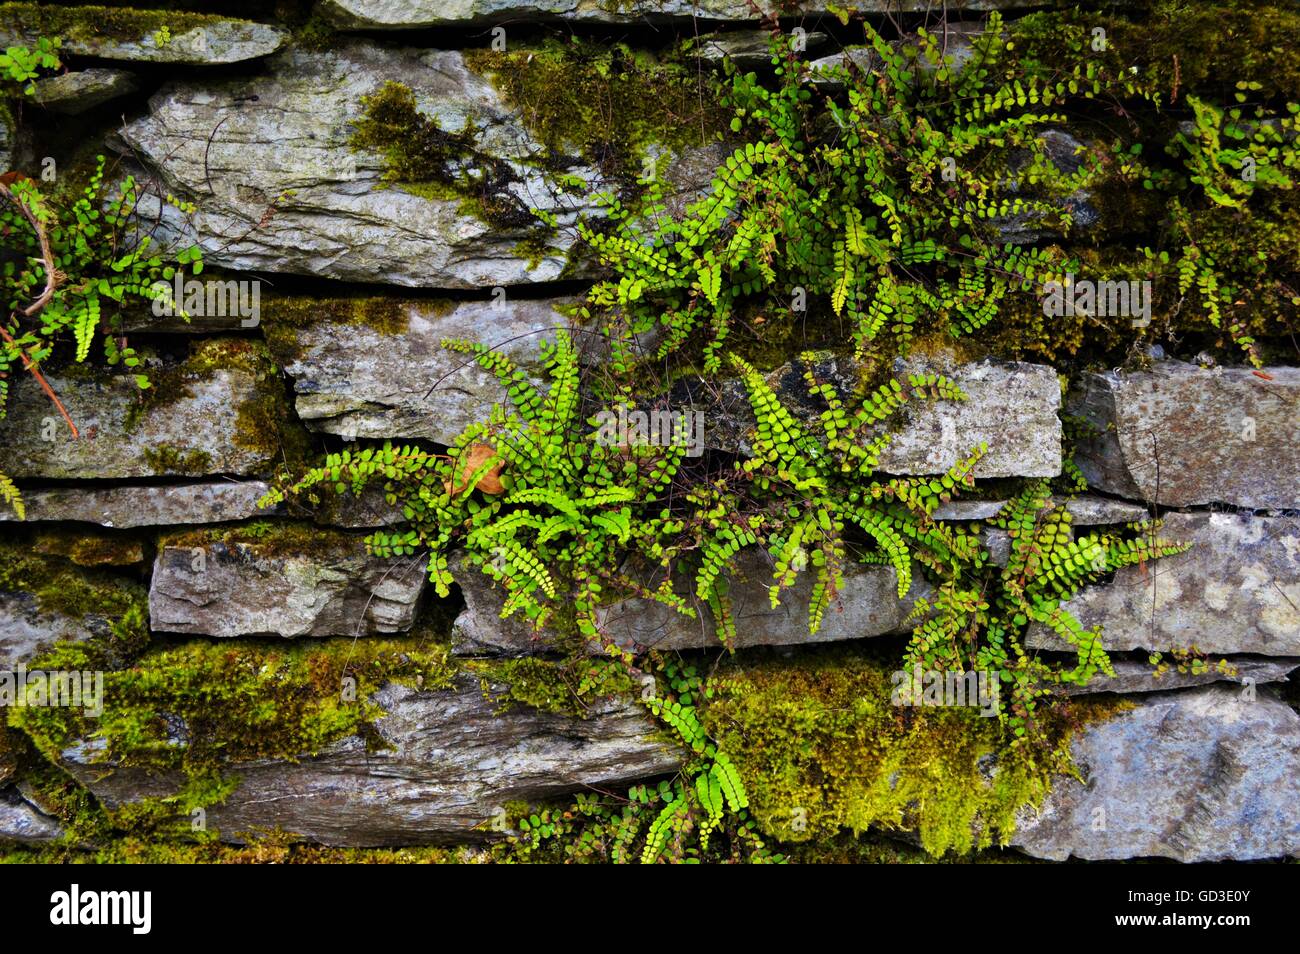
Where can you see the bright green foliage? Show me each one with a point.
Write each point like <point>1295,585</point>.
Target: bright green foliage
<point>814,485</point>
<point>570,508</point>
<point>102,267</point>
<point>700,815</point>
<point>20,65</point>
<point>1233,249</point>
<point>9,494</point>
<point>977,624</point>
<point>886,208</point>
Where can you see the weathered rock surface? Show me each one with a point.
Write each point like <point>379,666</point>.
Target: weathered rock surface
<point>750,48</point>
<point>1237,590</point>
<point>1135,676</point>
<point>23,824</point>
<point>1011,406</point>
<point>146,506</point>
<point>868,605</point>
<point>271,587</point>
<point>236,145</point>
<point>359,381</point>
<point>1181,435</point>
<point>1086,510</point>
<point>442,767</point>
<point>194,431</point>
<point>77,92</point>
<point>28,629</point>
<point>125,35</point>
<point>1202,775</point>
<point>416,14</point>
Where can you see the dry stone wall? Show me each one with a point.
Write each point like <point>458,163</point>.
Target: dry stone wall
<point>1201,766</point>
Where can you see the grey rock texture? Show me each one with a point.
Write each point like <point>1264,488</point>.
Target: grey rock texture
<point>750,49</point>
<point>258,588</point>
<point>1237,590</point>
<point>145,506</point>
<point>1085,510</point>
<point>359,381</point>
<point>22,824</point>
<point>27,629</point>
<point>1011,406</point>
<point>443,765</point>
<point>214,41</point>
<point>1197,436</point>
<point>1136,676</point>
<point>196,430</point>
<point>416,14</point>
<point>74,93</point>
<point>236,145</point>
<point>868,605</point>
<point>1201,775</point>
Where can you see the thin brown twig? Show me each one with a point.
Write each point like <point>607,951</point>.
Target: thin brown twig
<point>53,278</point>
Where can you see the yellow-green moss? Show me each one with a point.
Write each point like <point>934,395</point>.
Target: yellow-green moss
<point>820,749</point>
<point>283,317</point>
<point>89,23</point>
<point>606,103</point>
<point>92,549</point>
<point>1186,44</point>
<point>236,701</point>
<point>263,421</point>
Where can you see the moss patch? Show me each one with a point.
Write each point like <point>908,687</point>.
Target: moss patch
<point>821,749</point>
<point>606,103</point>
<point>264,423</point>
<point>90,23</point>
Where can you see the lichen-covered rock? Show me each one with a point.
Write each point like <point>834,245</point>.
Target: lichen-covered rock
<point>77,92</point>
<point>235,146</point>
<point>361,379</point>
<point>45,599</point>
<point>288,582</point>
<point>145,506</point>
<point>28,629</point>
<point>1203,775</point>
<point>1011,406</point>
<point>1132,675</point>
<point>441,767</point>
<point>22,824</point>
<point>750,48</point>
<point>868,605</point>
<point>215,413</point>
<point>417,14</point>
<point>139,35</point>
<point>1181,435</point>
<point>1237,590</point>
<point>1085,511</point>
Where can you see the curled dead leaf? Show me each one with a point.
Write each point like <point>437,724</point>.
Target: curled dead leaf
<point>471,459</point>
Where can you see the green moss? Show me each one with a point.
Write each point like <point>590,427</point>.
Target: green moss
<point>169,459</point>
<point>61,588</point>
<point>608,104</point>
<point>271,538</point>
<point>202,706</point>
<point>820,749</point>
<point>264,423</point>
<point>89,23</point>
<point>283,317</point>
<point>427,160</point>
<point>97,549</point>
<point>1187,45</point>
